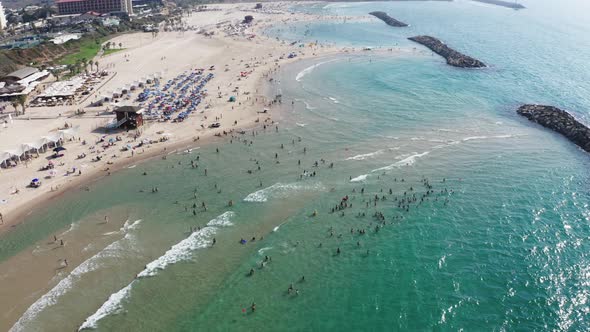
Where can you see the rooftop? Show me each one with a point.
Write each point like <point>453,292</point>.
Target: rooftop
<point>129,109</point>
<point>23,73</point>
<point>64,1</point>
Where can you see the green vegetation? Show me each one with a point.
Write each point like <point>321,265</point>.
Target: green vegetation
<point>77,55</point>
<point>88,50</point>
<point>112,50</point>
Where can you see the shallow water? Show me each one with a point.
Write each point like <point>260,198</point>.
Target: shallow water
<point>502,247</point>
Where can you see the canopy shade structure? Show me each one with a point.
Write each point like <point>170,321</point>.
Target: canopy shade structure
<point>70,131</point>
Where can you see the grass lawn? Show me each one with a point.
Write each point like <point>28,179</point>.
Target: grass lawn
<point>112,50</point>
<point>88,50</point>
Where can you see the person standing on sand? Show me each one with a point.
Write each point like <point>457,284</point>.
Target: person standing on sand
<point>1,219</point>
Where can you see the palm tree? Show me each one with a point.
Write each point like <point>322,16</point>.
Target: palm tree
<point>22,100</point>
<point>15,105</point>
<point>84,64</point>
<point>71,68</point>
<point>55,73</point>
<point>120,45</point>
<point>96,64</point>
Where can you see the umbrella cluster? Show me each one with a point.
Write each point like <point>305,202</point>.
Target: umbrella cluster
<point>182,94</point>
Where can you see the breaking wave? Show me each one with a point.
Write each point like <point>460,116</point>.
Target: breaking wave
<point>92,264</point>
<point>181,251</point>
<point>410,160</point>
<point>280,190</point>
<point>309,69</point>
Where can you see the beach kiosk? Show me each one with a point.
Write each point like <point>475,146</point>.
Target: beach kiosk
<point>129,117</point>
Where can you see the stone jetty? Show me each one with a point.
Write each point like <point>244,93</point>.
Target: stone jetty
<point>388,19</point>
<point>453,57</point>
<point>507,4</point>
<point>559,121</point>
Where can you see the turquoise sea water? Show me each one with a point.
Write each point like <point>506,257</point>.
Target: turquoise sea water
<point>500,244</point>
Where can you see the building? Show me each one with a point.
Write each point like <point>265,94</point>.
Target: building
<point>129,117</point>
<point>19,75</point>
<point>21,82</point>
<point>3,23</point>
<point>146,2</point>
<point>69,7</point>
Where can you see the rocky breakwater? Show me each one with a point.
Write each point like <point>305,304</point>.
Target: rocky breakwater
<point>453,57</point>
<point>507,4</point>
<point>559,121</point>
<point>388,19</point>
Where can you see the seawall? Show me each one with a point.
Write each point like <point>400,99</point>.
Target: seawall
<point>453,57</point>
<point>383,16</point>
<point>560,121</point>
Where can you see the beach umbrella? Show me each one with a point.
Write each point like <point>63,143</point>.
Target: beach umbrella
<point>52,172</point>
<point>59,148</point>
<point>35,180</point>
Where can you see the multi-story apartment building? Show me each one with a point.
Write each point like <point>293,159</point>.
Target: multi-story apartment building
<point>69,7</point>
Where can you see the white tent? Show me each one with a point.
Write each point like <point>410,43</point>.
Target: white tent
<point>4,156</point>
<point>54,138</point>
<point>70,131</point>
<point>18,152</point>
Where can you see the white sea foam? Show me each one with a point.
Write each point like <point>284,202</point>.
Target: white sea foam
<point>365,156</point>
<point>448,130</point>
<point>301,124</point>
<point>276,229</point>
<point>473,138</point>
<point>93,263</point>
<point>178,252</point>
<point>112,306</point>
<point>263,250</point>
<point>189,151</point>
<point>308,106</point>
<point>223,220</point>
<point>359,178</point>
<point>280,190</point>
<point>73,226</point>
<point>127,226</point>
<point>466,139</point>
<point>410,160</point>
<point>334,100</point>
<point>309,69</point>
<point>132,166</point>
